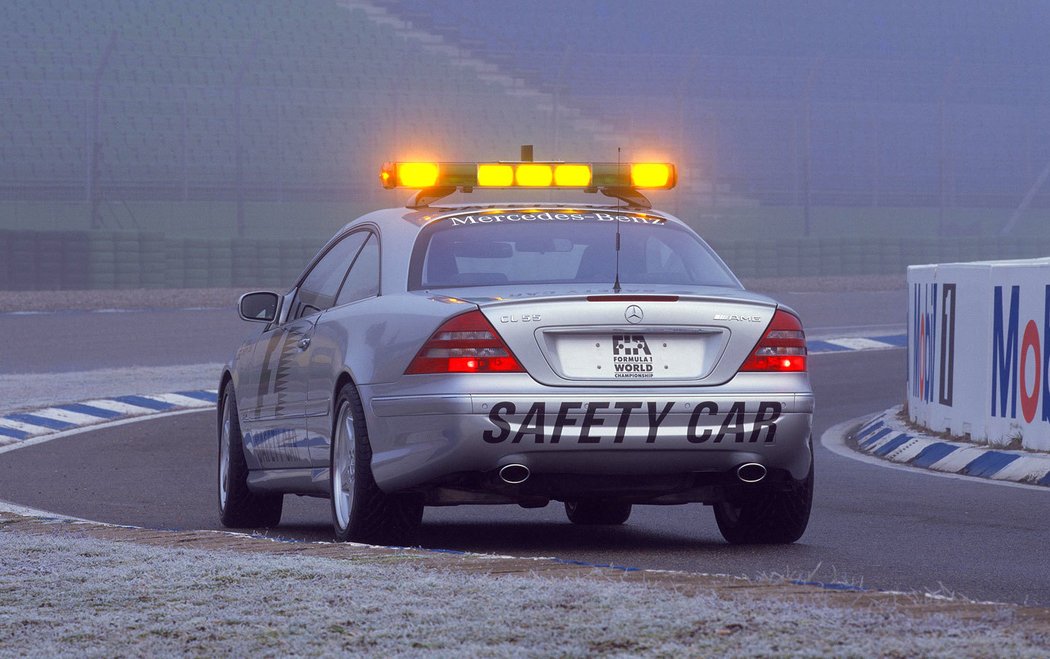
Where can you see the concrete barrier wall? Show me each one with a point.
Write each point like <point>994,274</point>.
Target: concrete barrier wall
<point>52,260</point>
<point>979,350</point>
<point>41,260</point>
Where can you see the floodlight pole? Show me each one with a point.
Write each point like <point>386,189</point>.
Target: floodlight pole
<point>687,78</point>
<point>95,151</point>
<point>185,157</point>
<point>943,166</point>
<point>238,84</point>
<point>807,147</point>
<point>712,168</point>
<point>876,164</point>
<point>1026,202</point>
<point>556,101</point>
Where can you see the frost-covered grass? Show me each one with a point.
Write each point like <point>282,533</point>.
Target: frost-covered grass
<point>68,594</point>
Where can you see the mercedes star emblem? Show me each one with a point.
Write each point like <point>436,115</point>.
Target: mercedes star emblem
<point>634,314</point>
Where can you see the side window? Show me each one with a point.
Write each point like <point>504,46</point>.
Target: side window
<point>321,285</point>
<point>363,279</point>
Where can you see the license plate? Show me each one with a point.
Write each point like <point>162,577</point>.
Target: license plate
<point>632,355</point>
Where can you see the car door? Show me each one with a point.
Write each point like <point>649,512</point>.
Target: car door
<point>361,283</point>
<point>279,436</point>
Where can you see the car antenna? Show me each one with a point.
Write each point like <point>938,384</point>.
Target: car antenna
<point>616,221</point>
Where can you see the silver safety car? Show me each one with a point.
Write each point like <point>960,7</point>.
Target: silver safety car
<point>440,354</point>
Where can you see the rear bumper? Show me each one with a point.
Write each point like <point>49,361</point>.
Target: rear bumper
<point>422,440</point>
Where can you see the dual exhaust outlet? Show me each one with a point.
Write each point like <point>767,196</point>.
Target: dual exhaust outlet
<point>516,474</point>
<point>750,472</point>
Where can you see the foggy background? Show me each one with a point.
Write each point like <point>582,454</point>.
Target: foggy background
<point>220,143</point>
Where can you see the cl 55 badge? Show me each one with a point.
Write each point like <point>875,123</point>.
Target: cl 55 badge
<point>524,318</point>
<point>742,319</point>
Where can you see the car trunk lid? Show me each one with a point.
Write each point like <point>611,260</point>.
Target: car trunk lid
<point>631,339</point>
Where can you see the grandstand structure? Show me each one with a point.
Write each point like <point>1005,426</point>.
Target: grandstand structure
<point>270,100</point>
<point>854,104</point>
<point>220,142</point>
<point>117,100</point>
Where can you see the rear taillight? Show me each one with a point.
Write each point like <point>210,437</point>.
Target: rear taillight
<point>782,348</point>
<point>465,344</point>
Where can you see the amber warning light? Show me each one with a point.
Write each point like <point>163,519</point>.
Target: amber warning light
<point>567,175</point>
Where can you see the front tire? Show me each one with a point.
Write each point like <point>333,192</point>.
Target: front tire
<point>239,507</point>
<point>361,512</point>
<point>591,513</point>
<point>767,516</point>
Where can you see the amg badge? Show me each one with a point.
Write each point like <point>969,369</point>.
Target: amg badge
<point>742,319</point>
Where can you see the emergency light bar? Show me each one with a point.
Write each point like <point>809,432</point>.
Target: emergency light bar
<point>587,176</point>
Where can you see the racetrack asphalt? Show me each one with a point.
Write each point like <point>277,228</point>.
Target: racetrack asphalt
<point>880,527</point>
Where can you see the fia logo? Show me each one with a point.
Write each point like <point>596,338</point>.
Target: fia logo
<point>630,344</point>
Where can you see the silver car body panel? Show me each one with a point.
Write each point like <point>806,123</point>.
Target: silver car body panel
<point>568,414</point>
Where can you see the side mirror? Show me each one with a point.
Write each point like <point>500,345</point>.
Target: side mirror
<point>259,307</point>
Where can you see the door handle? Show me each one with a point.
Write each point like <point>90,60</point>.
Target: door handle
<point>304,343</point>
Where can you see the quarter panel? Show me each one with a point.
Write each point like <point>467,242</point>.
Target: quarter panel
<point>373,340</point>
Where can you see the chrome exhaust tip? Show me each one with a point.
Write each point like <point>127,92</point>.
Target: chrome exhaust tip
<point>514,474</point>
<point>750,472</point>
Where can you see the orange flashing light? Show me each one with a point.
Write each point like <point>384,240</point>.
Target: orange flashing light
<point>650,175</point>
<point>495,175</point>
<point>572,176</point>
<point>550,174</point>
<point>530,175</point>
<point>417,174</point>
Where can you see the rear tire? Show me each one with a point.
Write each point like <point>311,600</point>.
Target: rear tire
<point>590,513</point>
<point>239,507</point>
<point>361,512</point>
<point>767,516</point>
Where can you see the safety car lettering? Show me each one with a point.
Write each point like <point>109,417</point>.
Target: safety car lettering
<point>542,423</point>
<point>655,419</point>
<point>490,218</point>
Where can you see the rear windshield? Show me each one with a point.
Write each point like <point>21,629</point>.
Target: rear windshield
<point>552,247</point>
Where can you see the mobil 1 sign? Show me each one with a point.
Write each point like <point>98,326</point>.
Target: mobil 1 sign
<point>979,350</point>
<point>1021,353</point>
<point>931,342</point>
